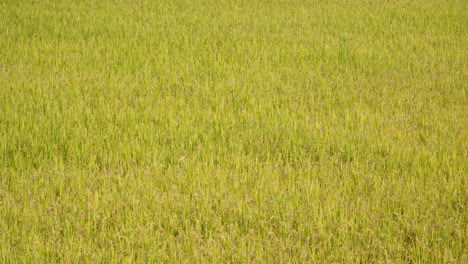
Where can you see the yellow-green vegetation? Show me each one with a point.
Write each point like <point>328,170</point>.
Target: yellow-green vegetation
<point>233,131</point>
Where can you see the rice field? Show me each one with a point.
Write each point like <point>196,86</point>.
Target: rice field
<point>233,131</point>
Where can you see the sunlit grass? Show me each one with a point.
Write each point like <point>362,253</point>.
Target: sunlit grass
<point>220,131</point>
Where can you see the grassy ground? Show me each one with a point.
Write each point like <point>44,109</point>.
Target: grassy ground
<point>237,131</point>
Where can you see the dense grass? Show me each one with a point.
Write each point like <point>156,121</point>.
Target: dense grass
<point>233,131</point>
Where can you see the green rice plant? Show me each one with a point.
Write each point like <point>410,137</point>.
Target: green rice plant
<point>216,131</point>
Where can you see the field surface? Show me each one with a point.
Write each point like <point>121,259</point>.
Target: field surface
<point>234,131</point>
